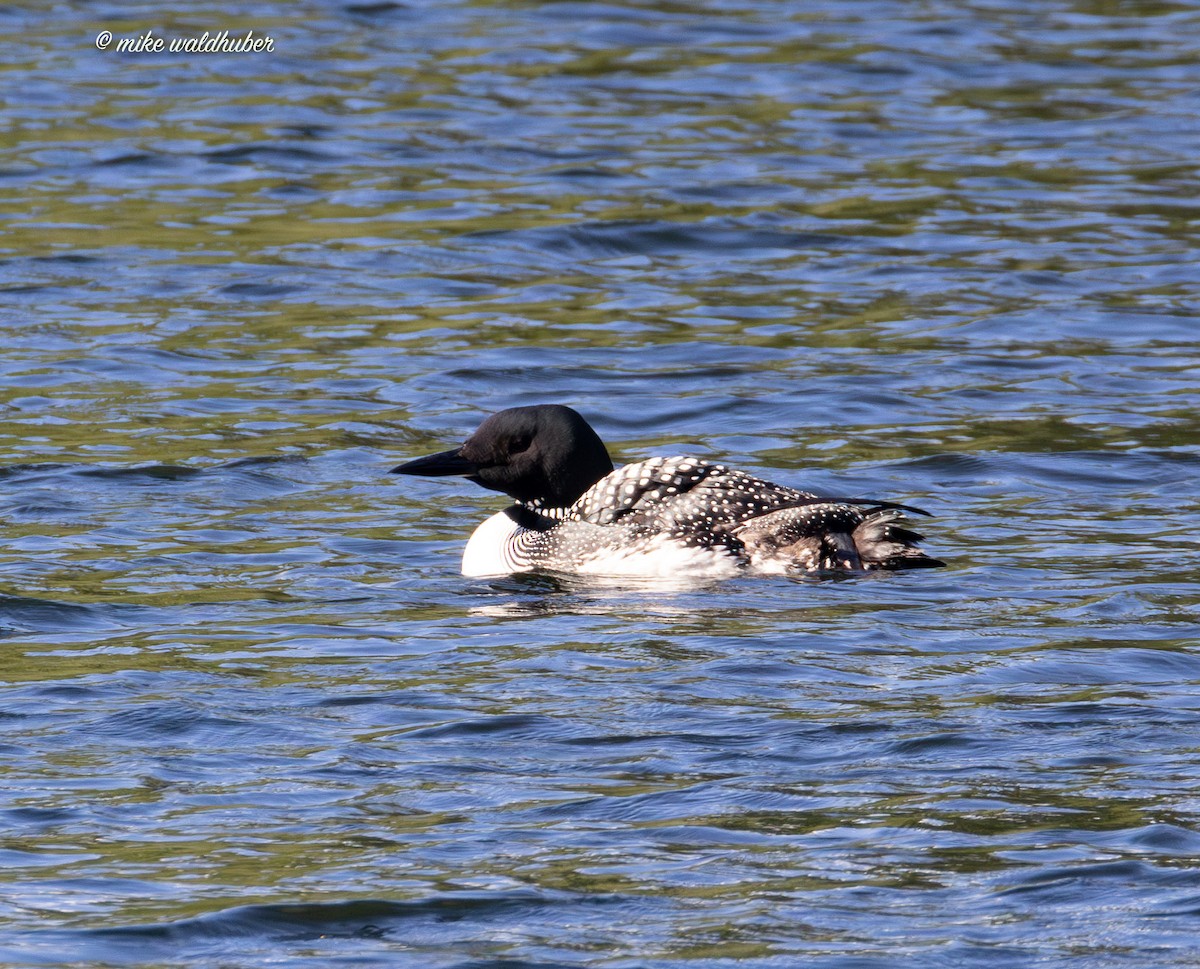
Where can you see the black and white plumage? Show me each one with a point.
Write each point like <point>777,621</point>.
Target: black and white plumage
<point>660,517</point>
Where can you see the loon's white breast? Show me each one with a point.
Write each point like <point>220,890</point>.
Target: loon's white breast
<point>501,546</point>
<point>487,548</point>
<point>660,517</point>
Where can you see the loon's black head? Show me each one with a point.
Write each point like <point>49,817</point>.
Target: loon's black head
<point>546,453</point>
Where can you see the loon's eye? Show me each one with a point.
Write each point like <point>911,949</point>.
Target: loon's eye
<point>519,444</point>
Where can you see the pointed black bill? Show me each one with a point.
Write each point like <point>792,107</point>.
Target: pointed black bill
<point>438,465</point>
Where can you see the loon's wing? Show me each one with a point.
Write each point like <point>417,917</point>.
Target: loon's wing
<point>870,504</point>
<point>701,503</point>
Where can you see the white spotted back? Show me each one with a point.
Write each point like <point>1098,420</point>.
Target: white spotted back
<point>683,496</point>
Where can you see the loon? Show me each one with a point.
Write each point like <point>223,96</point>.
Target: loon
<point>661,517</point>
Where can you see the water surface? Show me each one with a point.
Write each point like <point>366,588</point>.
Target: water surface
<point>942,253</point>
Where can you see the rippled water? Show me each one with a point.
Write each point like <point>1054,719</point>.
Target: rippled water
<point>939,252</point>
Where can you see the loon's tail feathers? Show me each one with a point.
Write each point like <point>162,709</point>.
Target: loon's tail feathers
<point>883,543</point>
<point>826,535</point>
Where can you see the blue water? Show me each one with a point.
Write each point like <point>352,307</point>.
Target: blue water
<point>940,253</point>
